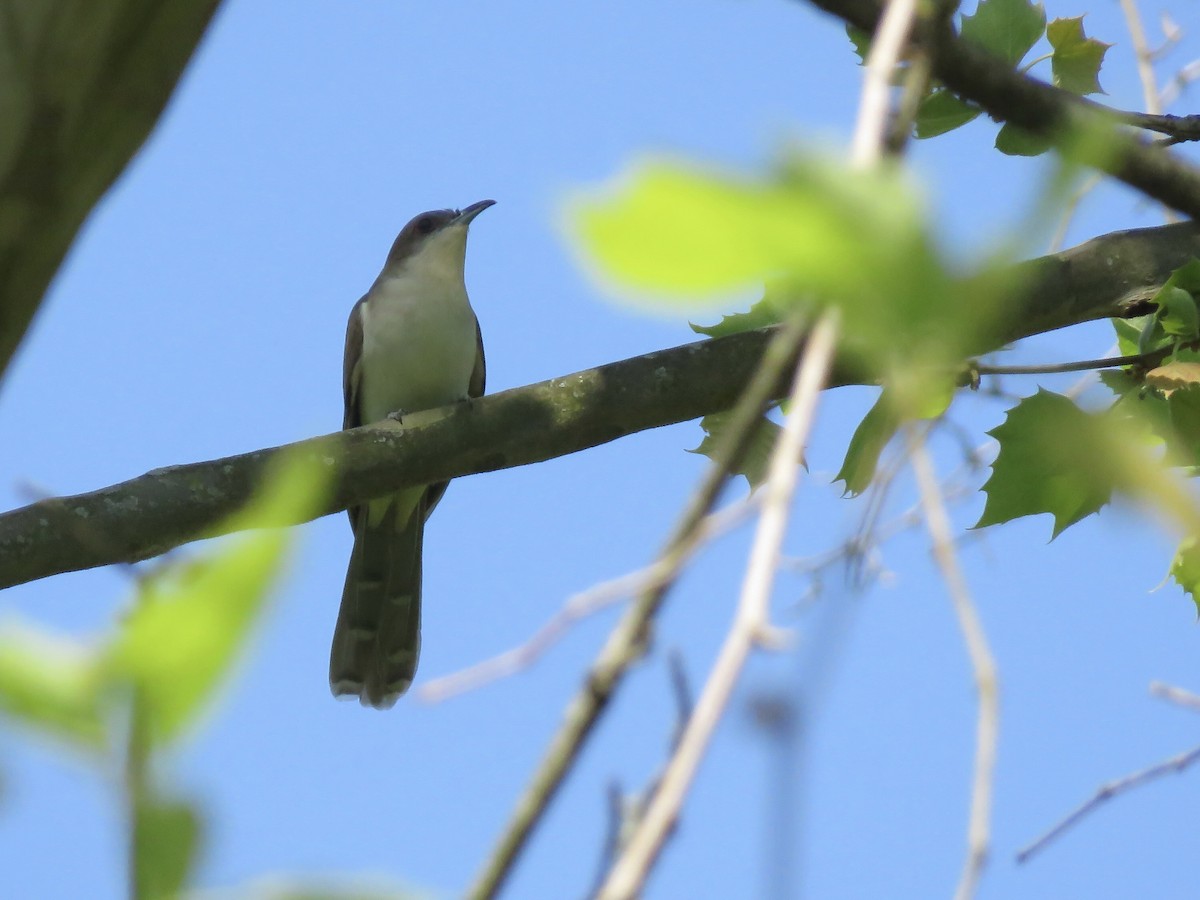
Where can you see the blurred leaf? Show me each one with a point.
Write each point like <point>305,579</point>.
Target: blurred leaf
<point>1077,58</point>
<point>1185,568</point>
<point>166,841</point>
<point>51,684</point>
<point>761,314</point>
<point>191,619</point>
<point>819,233</point>
<point>941,111</point>
<point>758,455</point>
<point>1052,459</point>
<point>1016,141</point>
<point>1007,28</point>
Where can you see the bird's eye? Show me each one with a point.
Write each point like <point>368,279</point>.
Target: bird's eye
<point>426,225</point>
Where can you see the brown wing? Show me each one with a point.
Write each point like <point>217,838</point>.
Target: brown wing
<point>351,367</point>
<point>479,373</point>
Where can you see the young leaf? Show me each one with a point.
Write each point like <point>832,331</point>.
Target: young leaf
<point>1007,28</point>
<point>941,111</point>
<point>190,621</point>
<point>1177,312</point>
<point>1077,58</point>
<point>861,41</point>
<point>872,435</point>
<point>761,314</point>
<point>51,685</point>
<point>166,838</point>
<point>1014,140</point>
<point>1185,568</point>
<point>754,464</point>
<point>1129,332</point>
<point>1051,460</point>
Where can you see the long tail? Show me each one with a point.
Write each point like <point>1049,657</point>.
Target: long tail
<point>378,636</point>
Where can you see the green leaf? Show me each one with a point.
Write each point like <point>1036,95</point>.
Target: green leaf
<point>1007,28</point>
<point>1014,140</point>
<point>758,455</point>
<point>1185,568</point>
<point>941,111</point>
<point>761,314</point>
<point>1077,58</point>
<point>1177,312</point>
<point>190,620</point>
<point>52,685</point>
<point>1051,460</point>
<point>166,840</point>
<point>861,41</point>
<point>820,234</point>
<point>872,435</point>
<point>1187,277</point>
<point>1129,332</point>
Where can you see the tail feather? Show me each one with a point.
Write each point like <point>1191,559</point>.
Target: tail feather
<point>377,640</point>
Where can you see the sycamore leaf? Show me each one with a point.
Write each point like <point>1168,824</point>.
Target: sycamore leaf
<point>1007,28</point>
<point>1129,332</point>
<point>1185,568</point>
<point>761,314</point>
<point>1013,140</point>
<point>861,41</point>
<point>166,838</point>
<point>1174,376</point>
<point>1077,58</point>
<point>941,111</point>
<point>1177,312</point>
<point>1051,460</point>
<point>52,685</point>
<point>758,454</point>
<point>872,435</point>
<point>183,636</point>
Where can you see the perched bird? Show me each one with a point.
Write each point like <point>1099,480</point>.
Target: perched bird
<point>412,343</point>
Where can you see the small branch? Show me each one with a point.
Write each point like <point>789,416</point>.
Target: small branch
<point>886,49</point>
<point>1176,695</point>
<point>1107,792</point>
<point>751,620</point>
<point>1108,362</point>
<point>1144,56</point>
<point>982,664</point>
<point>582,605</point>
<point>627,642</point>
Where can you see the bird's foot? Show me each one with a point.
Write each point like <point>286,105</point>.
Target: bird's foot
<point>397,415</point>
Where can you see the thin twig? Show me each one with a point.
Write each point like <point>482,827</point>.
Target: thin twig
<point>1176,695</point>
<point>627,642</point>
<point>1106,792</point>
<point>584,604</point>
<point>983,667</point>
<point>1083,365</point>
<point>886,49</point>
<point>1143,55</point>
<point>751,621</point>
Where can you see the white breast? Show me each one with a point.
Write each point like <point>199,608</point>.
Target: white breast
<point>419,342</point>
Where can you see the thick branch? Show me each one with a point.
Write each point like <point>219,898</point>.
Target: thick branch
<point>1013,97</point>
<point>82,82</point>
<point>1113,275</point>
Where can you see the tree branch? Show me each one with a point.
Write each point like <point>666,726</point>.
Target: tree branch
<point>1110,276</point>
<point>1010,96</point>
<point>84,83</point>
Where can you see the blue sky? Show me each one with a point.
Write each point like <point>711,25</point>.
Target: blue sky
<point>201,313</point>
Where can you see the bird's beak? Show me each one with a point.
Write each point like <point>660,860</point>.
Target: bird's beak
<point>468,213</point>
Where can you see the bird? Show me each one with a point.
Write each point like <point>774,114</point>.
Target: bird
<point>413,343</point>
